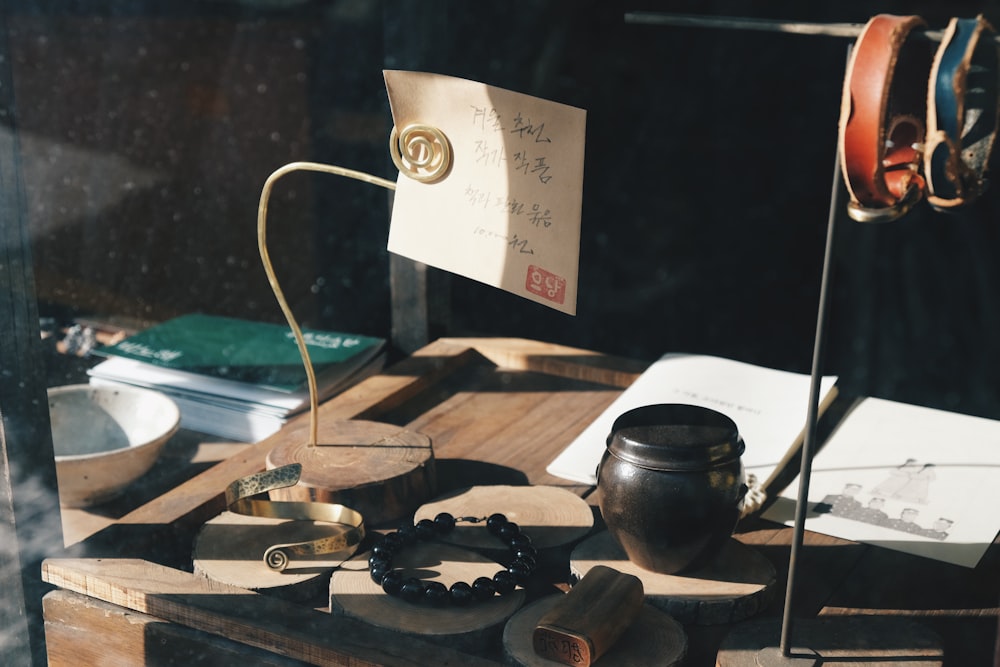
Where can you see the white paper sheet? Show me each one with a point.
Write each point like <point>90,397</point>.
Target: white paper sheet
<point>769,407</point>
<point>908,478</point>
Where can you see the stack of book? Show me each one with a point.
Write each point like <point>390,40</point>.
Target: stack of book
<point>233,378</point>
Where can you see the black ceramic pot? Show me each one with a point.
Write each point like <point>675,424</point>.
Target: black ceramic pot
<point>671,484</point>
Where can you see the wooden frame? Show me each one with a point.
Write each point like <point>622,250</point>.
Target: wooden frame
<point>27,468</point>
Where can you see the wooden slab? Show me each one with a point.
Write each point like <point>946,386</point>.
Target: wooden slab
<point>279,626</point>
<point>654,639</point>
<point>472,628</point>
<point>550,516</point>
<point>230,549</point>
<point>737,584</point>
<point>380,470</point>
<point>861,641</point>
<point>80,630</point>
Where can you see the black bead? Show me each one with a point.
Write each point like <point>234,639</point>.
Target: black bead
<point>412,590</point>
<point>425,529</point>
<point>483,588</point>
<point>519,540</point>
<point>392,582</point>
<point>508,531</point>
<point>528,562</point>
<point>436,593</point>
<point>407,533</point>
<point>520,571</point>
<point>376,559</point>
<point>444,523</point>
<point>379,570</point>
<point>392,540</point>
<point>495,522</point>
<point>461,593</point>
<point>525,552</point>
<point>383,550</point>
<point>504,582</point>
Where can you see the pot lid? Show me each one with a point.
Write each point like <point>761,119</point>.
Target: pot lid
<point>675,436</point>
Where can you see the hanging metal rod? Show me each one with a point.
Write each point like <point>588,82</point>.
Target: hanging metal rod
<point>850,30</point>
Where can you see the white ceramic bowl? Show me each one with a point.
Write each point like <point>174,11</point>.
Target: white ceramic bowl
<point>105,438</point>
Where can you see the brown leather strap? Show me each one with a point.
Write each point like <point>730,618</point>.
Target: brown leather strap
<point>882,118</point>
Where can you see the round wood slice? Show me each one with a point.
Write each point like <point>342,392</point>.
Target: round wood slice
<point>848,641</point>
<point>382,471</point>
<point>654,638</point>
<point>474,628</point>
<point>550,516</point>
<point>230,549</point>
<point>737,584</point>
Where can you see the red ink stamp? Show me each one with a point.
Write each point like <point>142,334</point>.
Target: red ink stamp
<point>545,284</point>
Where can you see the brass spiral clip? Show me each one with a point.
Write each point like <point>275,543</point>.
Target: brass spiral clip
<point>422,152</point>
<point>239,500</point>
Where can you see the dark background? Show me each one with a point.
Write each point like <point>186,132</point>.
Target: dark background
<point>147,130</point>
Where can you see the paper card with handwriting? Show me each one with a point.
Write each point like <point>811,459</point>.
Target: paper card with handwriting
<point>490,184</point>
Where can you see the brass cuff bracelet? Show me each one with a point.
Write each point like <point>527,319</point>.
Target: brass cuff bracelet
<point>239,500</point>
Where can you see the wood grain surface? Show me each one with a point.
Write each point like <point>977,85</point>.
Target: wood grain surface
<point>471,628</point>
<point>380,470</point>
<point>735,585</point>
<point>655,639</point>
<point>261,621</point>
<point>549,515</point>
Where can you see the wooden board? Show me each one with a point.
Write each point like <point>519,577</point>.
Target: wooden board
<point>737,584</point>
<point>863,641</point>
<point>230,549</point>
<point>549,515</point>
<point>654,639</point>
<point>472,628</point>
<point>74,621</point>
<point>293,630</point>
<point>381,470</point>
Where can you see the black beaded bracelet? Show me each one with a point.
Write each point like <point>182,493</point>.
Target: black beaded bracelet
<point>460,594</point>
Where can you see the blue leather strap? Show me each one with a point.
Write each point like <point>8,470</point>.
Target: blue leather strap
<point>962,109</point>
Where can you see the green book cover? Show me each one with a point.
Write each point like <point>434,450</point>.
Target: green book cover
<point>257,353</point>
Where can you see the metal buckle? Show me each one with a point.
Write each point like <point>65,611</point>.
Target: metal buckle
<point>914,193</point>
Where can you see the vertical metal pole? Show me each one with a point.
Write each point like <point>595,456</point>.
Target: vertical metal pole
<point>812,415</point>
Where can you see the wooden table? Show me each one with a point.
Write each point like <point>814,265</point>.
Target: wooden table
<point>498,411</point>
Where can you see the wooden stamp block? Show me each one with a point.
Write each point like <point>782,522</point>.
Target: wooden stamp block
<point>588,620</point>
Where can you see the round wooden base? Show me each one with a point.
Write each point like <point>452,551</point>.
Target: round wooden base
<point>654,638</point>
<point>848,641</point>
<point>380,470</point>
<point>550,516</point>
<point>472,629</point>
<point>230,549</point>
<point>737,584</point>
